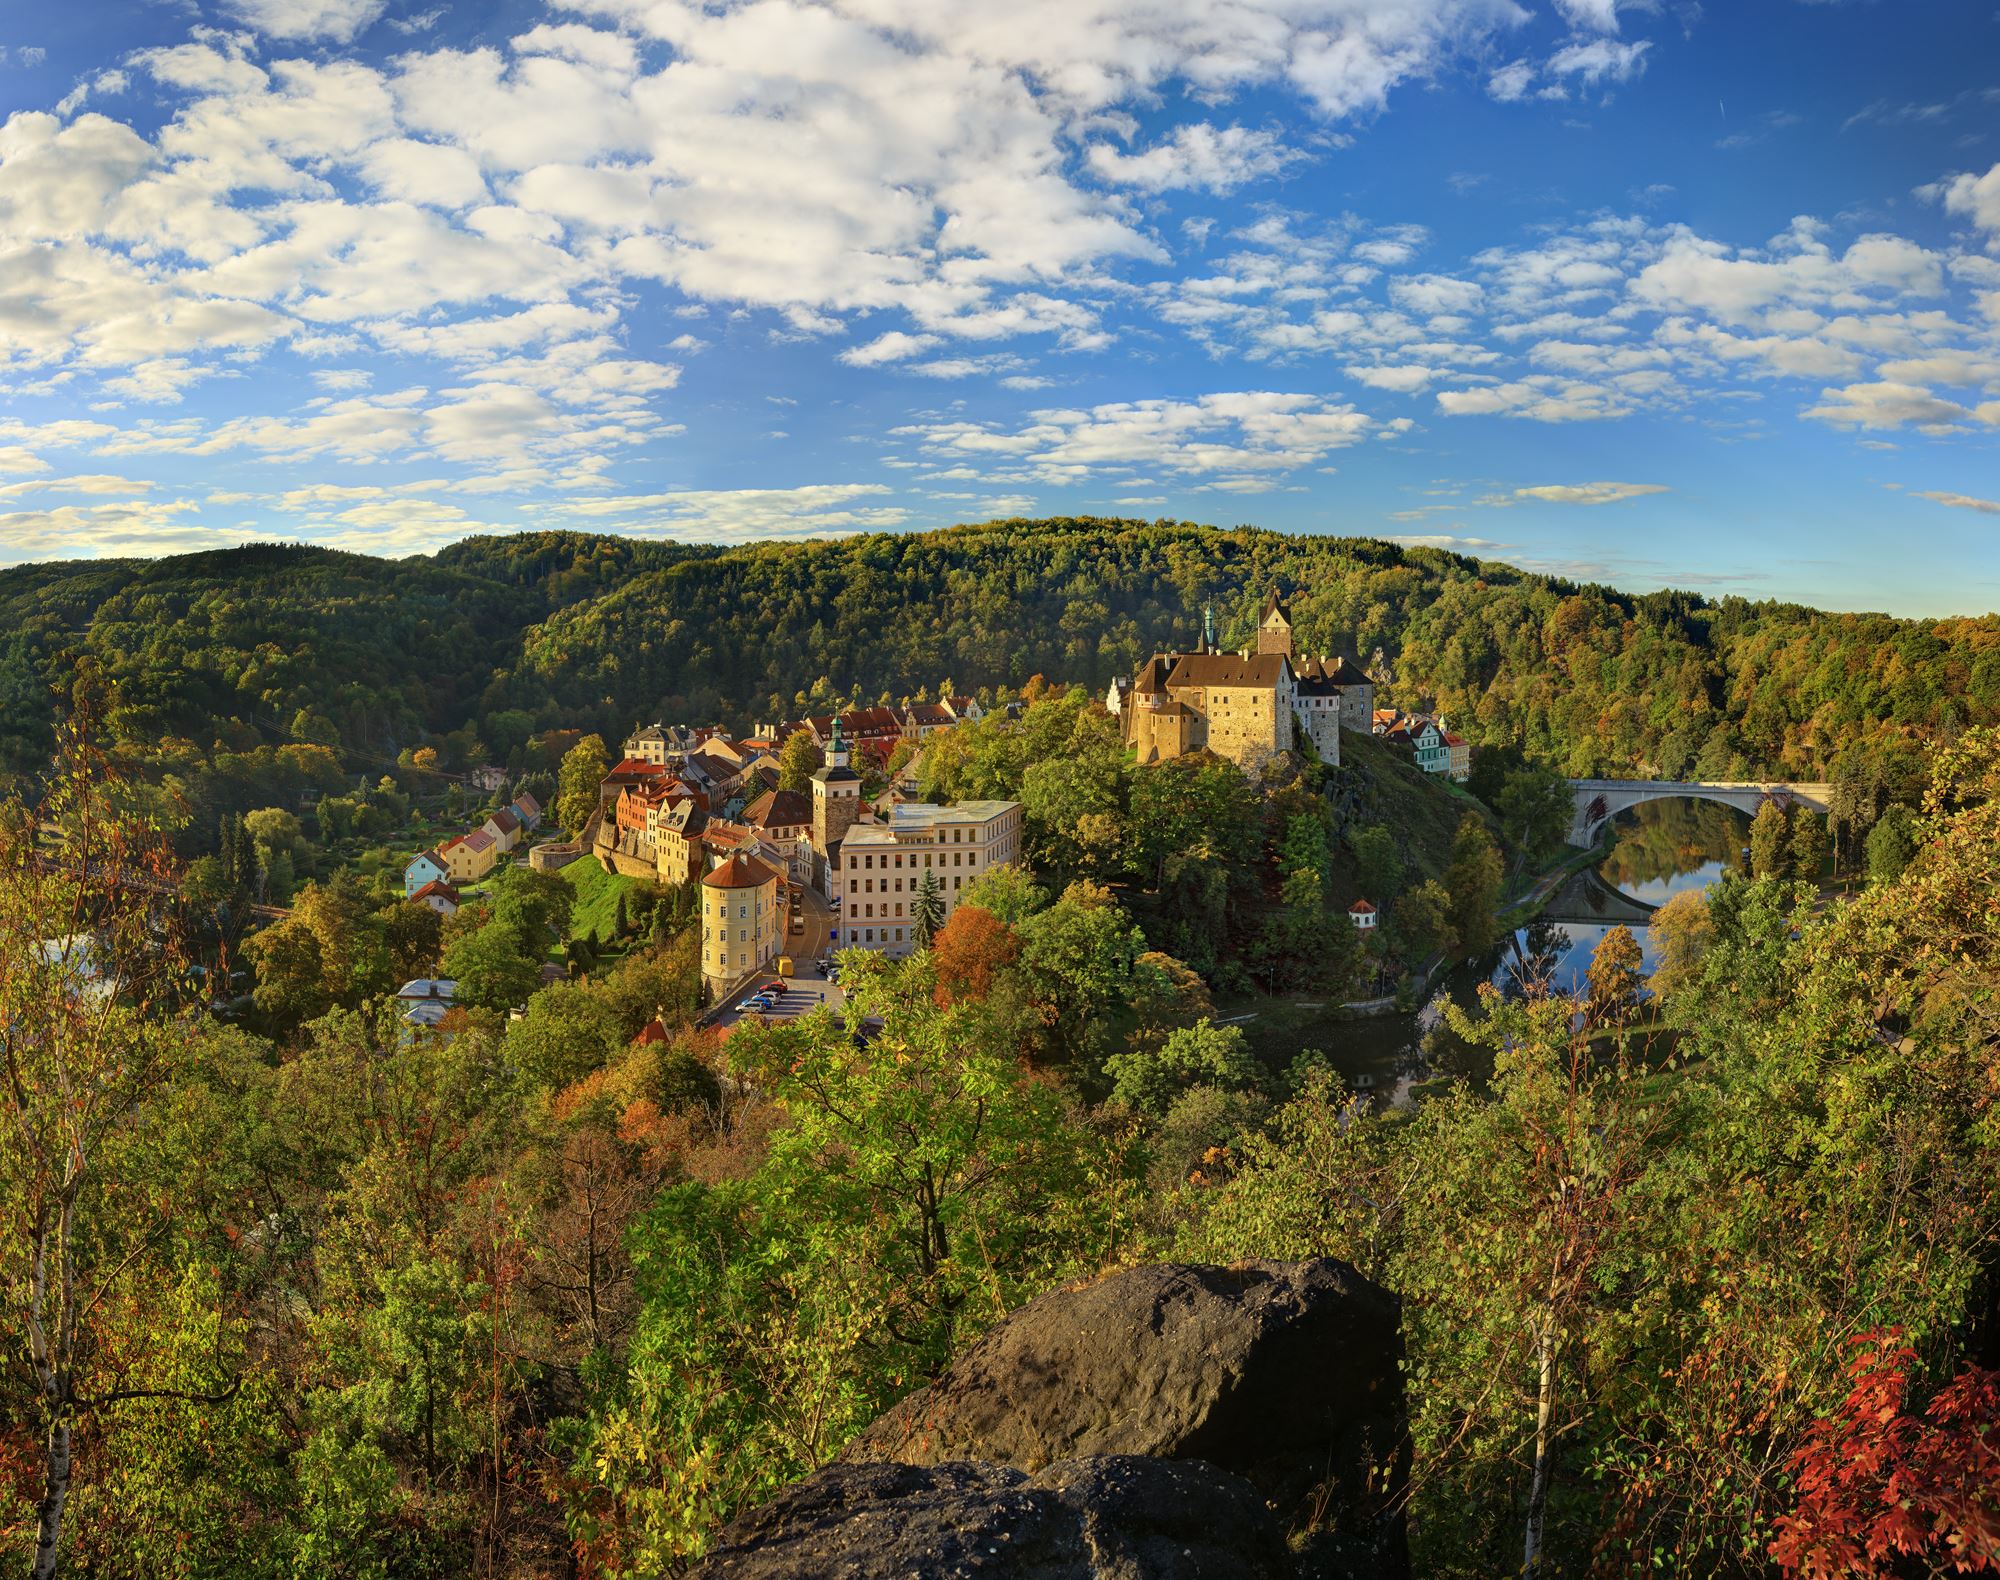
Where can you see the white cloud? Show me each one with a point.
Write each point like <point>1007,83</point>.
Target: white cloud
<point>1887,404</point>
<point>1200,157</point>
<point>1588,493</point>
<point>895,346</point>
<point>331,21</point>
<point>1600,60</point>
<point>742,514</point>
<point>1975,197</point>
<point>1511,82</point>
<point>1989,507</point>
<point>1231,438</point>
<point>1598,15</point>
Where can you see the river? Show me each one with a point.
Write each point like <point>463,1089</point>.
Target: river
<point>1659,849</point>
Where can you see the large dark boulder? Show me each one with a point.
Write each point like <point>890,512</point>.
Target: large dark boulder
<point>1111,1518</point>
<point>1285,1373</point>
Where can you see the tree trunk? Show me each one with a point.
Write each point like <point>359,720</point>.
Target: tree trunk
<point>1538,1491</point>
<point>48,1540</point>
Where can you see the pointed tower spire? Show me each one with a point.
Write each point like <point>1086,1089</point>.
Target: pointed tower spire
<point>836,748</point>
<point>1208,628</point>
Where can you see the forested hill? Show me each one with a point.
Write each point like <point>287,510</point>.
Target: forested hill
<point>571,629</point>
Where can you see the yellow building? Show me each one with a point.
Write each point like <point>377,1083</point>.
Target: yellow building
<point>740,926</point>
<point>470,857</point>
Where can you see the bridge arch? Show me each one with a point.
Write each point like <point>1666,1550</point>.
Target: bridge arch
<point>1600,800</point>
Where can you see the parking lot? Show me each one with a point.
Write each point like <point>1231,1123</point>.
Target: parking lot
<point>801,994</point>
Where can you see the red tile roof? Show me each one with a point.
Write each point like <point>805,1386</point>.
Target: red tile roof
<point>738,872</point>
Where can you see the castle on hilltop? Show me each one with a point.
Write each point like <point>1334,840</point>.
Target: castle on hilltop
<point>1248,705</point>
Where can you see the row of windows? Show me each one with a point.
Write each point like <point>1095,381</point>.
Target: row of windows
<point>866,863</point>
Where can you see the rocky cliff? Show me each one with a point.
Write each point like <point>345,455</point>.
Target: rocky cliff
<point>1166,1423</point>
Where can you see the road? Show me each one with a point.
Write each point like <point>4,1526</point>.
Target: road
<point>805,990</point>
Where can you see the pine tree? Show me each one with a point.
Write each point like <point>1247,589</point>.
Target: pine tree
<point>621,922</point>
<point>928,909</point>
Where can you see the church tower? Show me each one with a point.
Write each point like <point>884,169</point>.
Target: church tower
<point>836,797</point>
<point>1274,627</point>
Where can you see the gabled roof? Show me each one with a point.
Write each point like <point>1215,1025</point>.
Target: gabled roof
<point>738,872</point>
<point>1274,605</point>
<point>1259,670</point>
<point>871,721</point>
<point>506,820</point>
<point>431,856</point>
<point>779,809</point>
<point>684,817</point>
<point>475,839</point>
<point>528,807</point>
<point>631,768</point>
<point>437,887</point>
<point>1152,677</point>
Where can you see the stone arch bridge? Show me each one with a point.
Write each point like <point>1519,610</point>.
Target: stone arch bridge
<point>1600,800</point>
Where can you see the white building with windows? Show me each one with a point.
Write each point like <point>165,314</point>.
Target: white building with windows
<point>879,869</point>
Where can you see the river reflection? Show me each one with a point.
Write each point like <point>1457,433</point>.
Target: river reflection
<point>1660,849</point>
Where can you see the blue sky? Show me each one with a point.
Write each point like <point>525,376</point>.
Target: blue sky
<point>1655,293</point>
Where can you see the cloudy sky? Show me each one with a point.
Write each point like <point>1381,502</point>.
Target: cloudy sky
<point>1647,291</point>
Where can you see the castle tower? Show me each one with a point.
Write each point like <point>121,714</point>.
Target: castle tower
<point>1274,627</point>
<point>1208,628</point>
<point>836,796</point>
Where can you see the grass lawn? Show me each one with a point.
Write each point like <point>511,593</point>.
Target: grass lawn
<point>597,894</point>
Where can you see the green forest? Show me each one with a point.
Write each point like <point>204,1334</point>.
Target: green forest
<point>239,676</point>
<point>562,1292</point>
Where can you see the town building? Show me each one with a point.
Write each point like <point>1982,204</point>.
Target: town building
<point>505,829</point>
<point>469,857</point>
<point>438,896</point>
<point>647,744</point>
<point>528,810</point>
<point>783,820</point>
<point>836,807</point>
<point>676,833</point>
<point>741,922</point>
<point>427,1000</point>
<point>1459,757</point>
<point>880,868</point>
<point>426,868</point>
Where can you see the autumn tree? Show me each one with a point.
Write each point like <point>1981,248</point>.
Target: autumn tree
<point>85,1038</point>
<point>1615,975</point>
<point>970,950</point>
<point>1680,932</point>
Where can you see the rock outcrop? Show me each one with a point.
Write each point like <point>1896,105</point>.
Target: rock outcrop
<point>1167,1423</point>
<point>1285,1373</point>
<point>1108,1518</point>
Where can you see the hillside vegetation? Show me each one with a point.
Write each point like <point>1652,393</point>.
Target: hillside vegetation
<point>253,648</point>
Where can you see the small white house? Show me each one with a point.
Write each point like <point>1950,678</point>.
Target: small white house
<point>439,896</point>
<point>1362,915</point>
